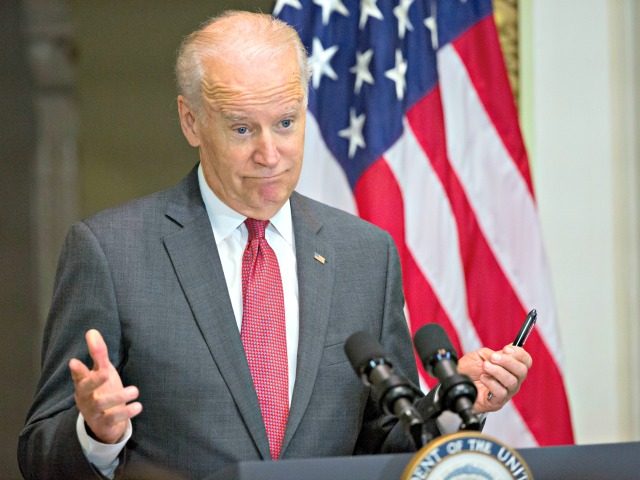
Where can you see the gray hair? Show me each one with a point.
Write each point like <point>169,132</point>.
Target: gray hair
<point>216,35</point>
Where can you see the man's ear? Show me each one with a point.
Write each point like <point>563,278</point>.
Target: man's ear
<point>188,122</point>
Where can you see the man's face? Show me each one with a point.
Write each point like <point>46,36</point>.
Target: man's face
<point>251,131</point>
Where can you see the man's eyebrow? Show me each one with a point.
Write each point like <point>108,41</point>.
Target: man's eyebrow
<point>234,116</point>
<point>291,112</point>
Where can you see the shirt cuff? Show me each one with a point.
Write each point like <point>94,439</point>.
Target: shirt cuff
<point>103,456</point>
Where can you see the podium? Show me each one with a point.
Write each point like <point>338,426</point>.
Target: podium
<point>620,461</point>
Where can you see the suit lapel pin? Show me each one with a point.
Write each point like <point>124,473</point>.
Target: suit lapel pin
<point>319,258</point>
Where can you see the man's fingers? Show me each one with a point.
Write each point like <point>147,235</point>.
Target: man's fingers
<point>508,367</point>
<point>103,402</point>
<point>515,360</point>
<point>115,414</point>
<point>498,375</point>
<point>485,353</point>
<point>87,380</point>
<point>493,396</point>
<point>97,349</point>
<point>496,388</point>
<point>107,414</point>
<point>519,354</point>
<point>121,413</point>
<point>78,370</point>
<point>110,426</point>
<point>133,409</point>
<point>111,417</point>
<point>503,376</point>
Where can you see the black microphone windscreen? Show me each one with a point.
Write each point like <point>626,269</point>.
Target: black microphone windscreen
<point>360,348</point>
<point>429,339</point>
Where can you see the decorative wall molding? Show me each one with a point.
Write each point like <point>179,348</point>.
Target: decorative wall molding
<point>52,58</point>
<point>507,22</point>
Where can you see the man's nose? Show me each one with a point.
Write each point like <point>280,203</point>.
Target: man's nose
<point>266,150</point>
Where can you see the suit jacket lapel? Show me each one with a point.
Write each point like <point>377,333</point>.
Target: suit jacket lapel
<point>194,255</point>
<point>314,286</point>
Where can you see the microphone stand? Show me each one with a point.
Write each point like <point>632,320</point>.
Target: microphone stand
<point>457,395</point>
<point>396,396</point>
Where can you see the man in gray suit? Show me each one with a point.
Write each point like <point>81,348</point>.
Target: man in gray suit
<point>156,285</point>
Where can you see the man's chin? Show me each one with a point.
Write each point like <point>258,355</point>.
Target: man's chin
<point>272,203</point>
<point>272,192</point>
<point>263,206</point>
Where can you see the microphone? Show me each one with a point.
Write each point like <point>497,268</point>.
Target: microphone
<point>393,393</point>
<point>457,392</point>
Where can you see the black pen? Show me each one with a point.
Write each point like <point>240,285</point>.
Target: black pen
<point>526,328</point>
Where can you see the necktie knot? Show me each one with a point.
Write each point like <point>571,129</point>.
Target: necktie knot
<point>256,228</point>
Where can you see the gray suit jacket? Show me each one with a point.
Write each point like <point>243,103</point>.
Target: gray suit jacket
<point>148,276</point>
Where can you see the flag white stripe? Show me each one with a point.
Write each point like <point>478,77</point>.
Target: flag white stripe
<point>497,192</point>
<point>431,233</point>
<point>322,178</point>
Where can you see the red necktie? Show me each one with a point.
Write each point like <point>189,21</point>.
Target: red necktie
<point>263,332</point>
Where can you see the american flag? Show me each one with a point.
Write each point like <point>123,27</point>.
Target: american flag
<point>412,126</point>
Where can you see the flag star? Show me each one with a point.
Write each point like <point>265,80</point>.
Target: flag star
<point>280,4</point>
<point>361,69</point>
<point>397,74</point>
<point>430,23</point>
<point>354,132</point>
<point>320,62</point>
<point>368,8</point>
<point>329,6</point>
<point>402,14</point>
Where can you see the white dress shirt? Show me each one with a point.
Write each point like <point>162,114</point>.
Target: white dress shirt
<point>231,236</point>
<point>231,239</point>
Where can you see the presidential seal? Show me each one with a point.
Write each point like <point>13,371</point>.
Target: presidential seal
<point>466,456</point>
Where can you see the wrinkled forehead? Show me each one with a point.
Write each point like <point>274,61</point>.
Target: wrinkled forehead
<point>251,58</point>
<point>260,77</point>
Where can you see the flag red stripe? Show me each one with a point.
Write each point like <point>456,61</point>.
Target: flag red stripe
<point>380,201</point>
<point>487,71</point>
<point>492,304</point>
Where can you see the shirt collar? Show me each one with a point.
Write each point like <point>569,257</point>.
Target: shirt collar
<point>224,220</point>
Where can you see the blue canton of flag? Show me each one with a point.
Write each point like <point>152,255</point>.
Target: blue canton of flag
<point>374,61</point>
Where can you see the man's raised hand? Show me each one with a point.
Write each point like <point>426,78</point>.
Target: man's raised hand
<point>100,395</point>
